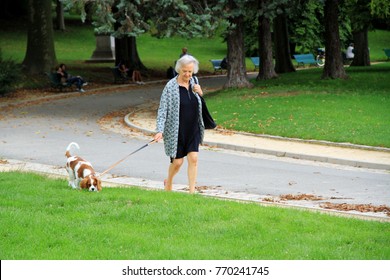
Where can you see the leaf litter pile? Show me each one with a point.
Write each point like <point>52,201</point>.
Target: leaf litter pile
<point>300,197</point>
<point>356,207</point>
<point>364,208</point>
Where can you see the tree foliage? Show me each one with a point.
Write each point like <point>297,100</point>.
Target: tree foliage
<point>380,8</point>
<point>126,13</point>
<point>359,13</point>
<point>186,18</point>
<point>306,25</point>
<point>163,18</point>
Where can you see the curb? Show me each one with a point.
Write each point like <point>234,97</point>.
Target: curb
<point>114,181</point>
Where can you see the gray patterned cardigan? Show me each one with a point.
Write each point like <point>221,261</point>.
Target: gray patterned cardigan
<point>168,116</point>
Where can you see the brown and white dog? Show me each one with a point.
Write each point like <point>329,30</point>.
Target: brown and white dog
<point>81,172</point>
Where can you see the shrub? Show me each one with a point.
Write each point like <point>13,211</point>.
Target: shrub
<point>10,73</point>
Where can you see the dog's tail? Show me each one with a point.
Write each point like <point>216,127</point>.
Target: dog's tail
<point>67,153</point>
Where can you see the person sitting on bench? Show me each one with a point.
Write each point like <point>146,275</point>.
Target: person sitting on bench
<point>66,77</point>
<point>123,70</point>
<point>136,77</point>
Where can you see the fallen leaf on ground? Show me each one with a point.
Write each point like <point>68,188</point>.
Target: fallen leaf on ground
<point>300,197</point>
<point>356,207</point>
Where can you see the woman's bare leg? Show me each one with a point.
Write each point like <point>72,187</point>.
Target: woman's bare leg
<point>192,158</point>
<point>174,167</point>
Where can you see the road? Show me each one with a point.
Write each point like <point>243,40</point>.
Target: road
<point>40,133</point>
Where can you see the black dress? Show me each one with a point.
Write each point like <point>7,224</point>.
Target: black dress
<point>189,133</point>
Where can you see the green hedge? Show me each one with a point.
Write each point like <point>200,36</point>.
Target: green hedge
<point>10,73</point>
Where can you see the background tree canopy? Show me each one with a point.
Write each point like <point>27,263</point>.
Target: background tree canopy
<point>248,27</point>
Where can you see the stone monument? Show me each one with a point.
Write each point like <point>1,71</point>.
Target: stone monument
<point>105,49</point>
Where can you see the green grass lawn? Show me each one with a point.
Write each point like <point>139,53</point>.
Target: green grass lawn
<point>301,105</point>
<point>45,219</point>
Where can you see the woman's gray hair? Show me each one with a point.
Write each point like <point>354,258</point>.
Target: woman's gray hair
<point>185,60</point>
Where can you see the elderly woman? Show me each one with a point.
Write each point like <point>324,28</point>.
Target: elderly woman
<point>179,120</point>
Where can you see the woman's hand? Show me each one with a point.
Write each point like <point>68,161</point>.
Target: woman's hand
<point>158,136</point>
<point>198,89</point>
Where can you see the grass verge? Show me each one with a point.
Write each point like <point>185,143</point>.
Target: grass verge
<point>44,219</point>
<point>301,105</point>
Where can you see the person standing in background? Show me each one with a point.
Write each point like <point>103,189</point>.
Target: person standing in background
<point>184,51</point>
<point>350,51</point>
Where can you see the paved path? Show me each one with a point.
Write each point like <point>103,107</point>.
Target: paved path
<point>143,118</point>
<point>246,167</point>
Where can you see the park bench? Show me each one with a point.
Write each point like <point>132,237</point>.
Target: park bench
<point>303,59</point>
<point>256,62</point>
<point>387,53</point>
<point>118,77</point>
<point>216,65</point>
<point>56,83</point>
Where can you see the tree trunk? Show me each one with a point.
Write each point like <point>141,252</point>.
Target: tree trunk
<point>126,48</point>
<point>236,69</point>
<point>361,51</point>
<point>266,69</point>
<point>283,62</point>
<point>40,53</point>
<point>126,51</point>
<point>60,22</point>
<point>88,7</point>
<point>334,67</point>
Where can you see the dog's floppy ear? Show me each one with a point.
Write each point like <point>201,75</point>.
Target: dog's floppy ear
<point>99,184</point>
<point>83,183</point>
